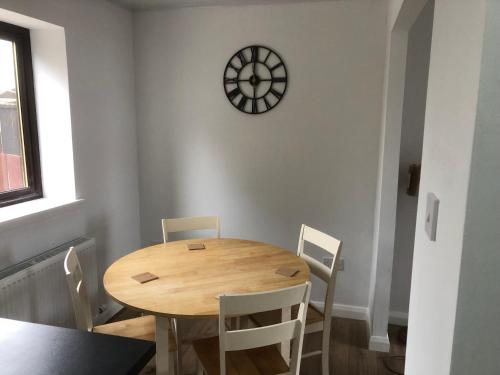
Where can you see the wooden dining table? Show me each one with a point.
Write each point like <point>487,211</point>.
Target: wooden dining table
<point>190,281</point>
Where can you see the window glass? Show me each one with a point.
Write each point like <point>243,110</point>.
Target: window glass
<point>12,160</point>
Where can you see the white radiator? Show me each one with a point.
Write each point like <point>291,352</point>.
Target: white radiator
<point>35,290</point>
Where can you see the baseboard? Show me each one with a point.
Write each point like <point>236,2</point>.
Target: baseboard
<point>351,312</point>
<point>375,343</point>
<point>346,311</point>
<point>379,344</point>
<point>369,325</point>
<point>112,309</point>
<point>398,318</point>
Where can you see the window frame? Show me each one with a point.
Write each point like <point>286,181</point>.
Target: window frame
<point>26,95</point>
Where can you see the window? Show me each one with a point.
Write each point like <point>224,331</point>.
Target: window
<point>20,178</point>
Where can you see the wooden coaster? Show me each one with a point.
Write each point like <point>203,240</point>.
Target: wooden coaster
<point>145,277</point>
<point>196,246</point>
<point>288,272</point>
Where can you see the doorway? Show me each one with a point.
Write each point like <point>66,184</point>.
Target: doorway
<point>412,134</point>
<point>402,17</point>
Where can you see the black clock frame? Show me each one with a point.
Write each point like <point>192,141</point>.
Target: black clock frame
<point>254,80</point>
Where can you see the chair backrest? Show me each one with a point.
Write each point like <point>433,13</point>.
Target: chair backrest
<point>190,223</point>
<point>78,292</point>
<point>246,304</point>
<point>327,274</point>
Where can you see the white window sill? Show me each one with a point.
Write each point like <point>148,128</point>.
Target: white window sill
<point>22,213</point>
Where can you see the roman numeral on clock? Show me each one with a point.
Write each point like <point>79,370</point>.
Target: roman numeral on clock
<point>276,66</point>
<point>233,93</point>
<point>278,79</point>
<point>242,103</point>
<point>255,109</point>
<point>235,68</point>
<point>228,81</point>
<point>268,105</point>
<point>267,57</point>
<point>255,54</point>
<point>242,58</point>
<point>277,94</point>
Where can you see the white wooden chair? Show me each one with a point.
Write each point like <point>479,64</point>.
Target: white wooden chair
<point>253,351</point>
<point>186,224</point>
<point>142,328</point>
<point>317,320</point>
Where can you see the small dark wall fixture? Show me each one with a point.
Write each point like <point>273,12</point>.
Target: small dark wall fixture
<point>255,79</point>
<point>414,171</point>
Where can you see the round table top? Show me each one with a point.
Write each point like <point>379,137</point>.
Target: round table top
<point>190,281</point>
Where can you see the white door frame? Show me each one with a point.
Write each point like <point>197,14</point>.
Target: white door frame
<point>401,17</point>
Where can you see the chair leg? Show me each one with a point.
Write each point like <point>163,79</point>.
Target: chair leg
<point>325,363</point>
<point>171,364</point>
<point>325,354</point>
<point>199,369</point>
<point>286,315</point>
<point>162,352</point>
<point>176,323</point>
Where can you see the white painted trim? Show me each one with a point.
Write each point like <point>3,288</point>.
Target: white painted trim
<point>351,312</point>
<point>53,112</point>
<point>369,325</point>
<point>399,318</point>
<point>379,344</point>
<point>387,184</point>
<point>31,211</point>
<point>345,311</point>
<point>145,5</point>
<point>375,343</point>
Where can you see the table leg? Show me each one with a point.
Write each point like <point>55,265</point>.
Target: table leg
<point>286,314</point>
<point>162,352</point>
<point>178,339</point>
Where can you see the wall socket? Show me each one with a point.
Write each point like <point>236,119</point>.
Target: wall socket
<point>327,261</point>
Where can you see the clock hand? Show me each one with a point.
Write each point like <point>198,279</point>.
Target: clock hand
<point>254,67</point>
<point>255,74</point>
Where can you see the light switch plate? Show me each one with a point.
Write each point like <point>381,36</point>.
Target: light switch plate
<point>431,216</point>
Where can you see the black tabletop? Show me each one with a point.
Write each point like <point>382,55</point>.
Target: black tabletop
<point>35,349</point>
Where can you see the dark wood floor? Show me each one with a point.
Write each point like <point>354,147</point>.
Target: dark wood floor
<point>349,351</point>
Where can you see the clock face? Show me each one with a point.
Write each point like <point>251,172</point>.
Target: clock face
<point>255,79</point>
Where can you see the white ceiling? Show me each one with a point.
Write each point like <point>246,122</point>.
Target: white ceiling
<point>155,4</point>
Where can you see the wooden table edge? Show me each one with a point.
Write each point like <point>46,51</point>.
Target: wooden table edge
<point>181,316</point>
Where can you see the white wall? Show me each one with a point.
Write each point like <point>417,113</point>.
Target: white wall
<point>412,133</point>
<point>449,129</point>
<point>100,64</point>
<point>313,159</point>
<point>476,342</point>
<point>393,9</point>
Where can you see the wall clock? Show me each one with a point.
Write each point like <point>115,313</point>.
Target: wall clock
<point>255,79</point>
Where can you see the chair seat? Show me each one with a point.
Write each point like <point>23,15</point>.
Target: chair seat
<point>272,317</point>
<point>142,328</point>
<point>258,361</point>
